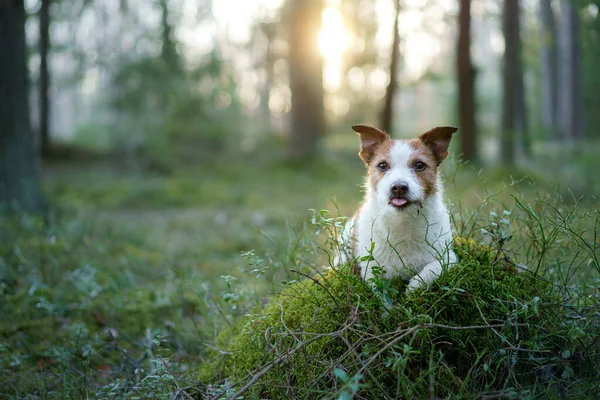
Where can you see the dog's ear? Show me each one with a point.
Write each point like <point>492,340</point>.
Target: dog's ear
<point>370,139</point>
<point>438,140</point>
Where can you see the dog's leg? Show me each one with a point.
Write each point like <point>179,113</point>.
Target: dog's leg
<point>431,271</point>
<point>427,275</point>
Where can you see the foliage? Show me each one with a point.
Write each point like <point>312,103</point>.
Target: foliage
<point>478,329</point>
<point>169,118</point>
<point>488,326</point>
<point>86,313</point>
<point>124,292</point>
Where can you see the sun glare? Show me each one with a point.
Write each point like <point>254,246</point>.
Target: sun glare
<point>333,41</point>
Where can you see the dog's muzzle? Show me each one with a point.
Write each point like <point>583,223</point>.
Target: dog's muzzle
<point>398,194</point>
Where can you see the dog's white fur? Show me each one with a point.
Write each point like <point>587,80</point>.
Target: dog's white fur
<point>413,242</point>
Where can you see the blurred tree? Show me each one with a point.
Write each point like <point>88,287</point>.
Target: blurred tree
<point>591,59</point>
<point>265,32</point>
<point>361,59</point>
<point>466,84</point>
<point>549,65</point>
<point>170,114</point>
<point>306,78</point>
<point>392,87</point>
<point>513,102</point>
<point>267,62</point>
<point>168,52</point>
<point>520,103</point>
<point>19,184</point>
<point>44,48</point>
<point>571,112</point>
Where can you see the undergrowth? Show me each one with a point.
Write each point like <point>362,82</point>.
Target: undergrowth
<point>516,317</point>
<point>88,313</point>
<point>118,298</point>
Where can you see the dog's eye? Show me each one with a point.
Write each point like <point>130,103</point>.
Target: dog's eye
<point>419,166</point>
<point>384,166</point>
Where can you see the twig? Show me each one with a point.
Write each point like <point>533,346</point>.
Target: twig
<point>181,391</point>
<point>464,328</point>
<point>281,358</point>
<point>316,281</point>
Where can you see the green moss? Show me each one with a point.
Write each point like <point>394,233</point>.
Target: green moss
<point>476,329</point>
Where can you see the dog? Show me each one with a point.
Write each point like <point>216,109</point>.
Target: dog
<point>403,225</point>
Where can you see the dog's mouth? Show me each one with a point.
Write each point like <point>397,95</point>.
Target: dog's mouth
<point>399,202</point>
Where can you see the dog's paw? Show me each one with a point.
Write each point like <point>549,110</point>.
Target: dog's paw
<point>415,283</point>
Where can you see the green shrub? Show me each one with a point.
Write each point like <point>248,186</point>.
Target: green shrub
<point>482,327</point>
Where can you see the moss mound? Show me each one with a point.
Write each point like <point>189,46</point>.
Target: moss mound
<point>480,328</point>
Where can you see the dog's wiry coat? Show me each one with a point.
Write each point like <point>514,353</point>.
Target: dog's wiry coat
<point>403,225</point>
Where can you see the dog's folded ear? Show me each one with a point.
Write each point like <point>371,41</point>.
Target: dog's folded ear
<point>438,140</point>
<point>370,139</point>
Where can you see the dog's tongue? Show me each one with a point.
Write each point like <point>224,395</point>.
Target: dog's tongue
<point>399,202</point>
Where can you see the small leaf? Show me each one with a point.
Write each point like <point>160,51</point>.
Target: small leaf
<point>340,374</point>
<point>345,396</point>
<point>568,372</point>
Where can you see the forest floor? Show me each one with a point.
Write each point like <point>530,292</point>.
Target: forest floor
<point>118,293</point>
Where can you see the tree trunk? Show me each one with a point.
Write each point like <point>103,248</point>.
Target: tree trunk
<point>466,84</point>
<point>44,77</point>
<point>520,104</point>
<point>509,95</point>
<point>169,48</point>
<point>306,79</point>
<point>19,185</point>
<point>392,88</point>
<point>549,66</point>
<point>571,106</point>
<point>268,31</point>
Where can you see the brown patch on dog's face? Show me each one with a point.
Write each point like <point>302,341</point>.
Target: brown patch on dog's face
<point>380,157</point>
<point>422,155</point>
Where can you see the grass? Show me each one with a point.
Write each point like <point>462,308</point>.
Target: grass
<point>124,290</point>
<point>337,336</point>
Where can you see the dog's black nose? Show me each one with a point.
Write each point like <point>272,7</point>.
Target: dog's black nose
<point>400,188</point>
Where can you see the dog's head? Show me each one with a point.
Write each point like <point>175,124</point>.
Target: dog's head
<point>403,172</point>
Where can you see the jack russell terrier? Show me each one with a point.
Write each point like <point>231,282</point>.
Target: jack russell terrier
<point>402,225</point>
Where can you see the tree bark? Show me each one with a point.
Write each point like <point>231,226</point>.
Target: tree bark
<point>44,77</point>
<point>392,87</point>
<point>306,79</point>
<point>549,67</point>
<point>19,185</point>
<point>466,85</point>
<point>509,95</point>
<point>571,106</point>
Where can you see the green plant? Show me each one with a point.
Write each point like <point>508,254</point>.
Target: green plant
<point>491,325</point>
